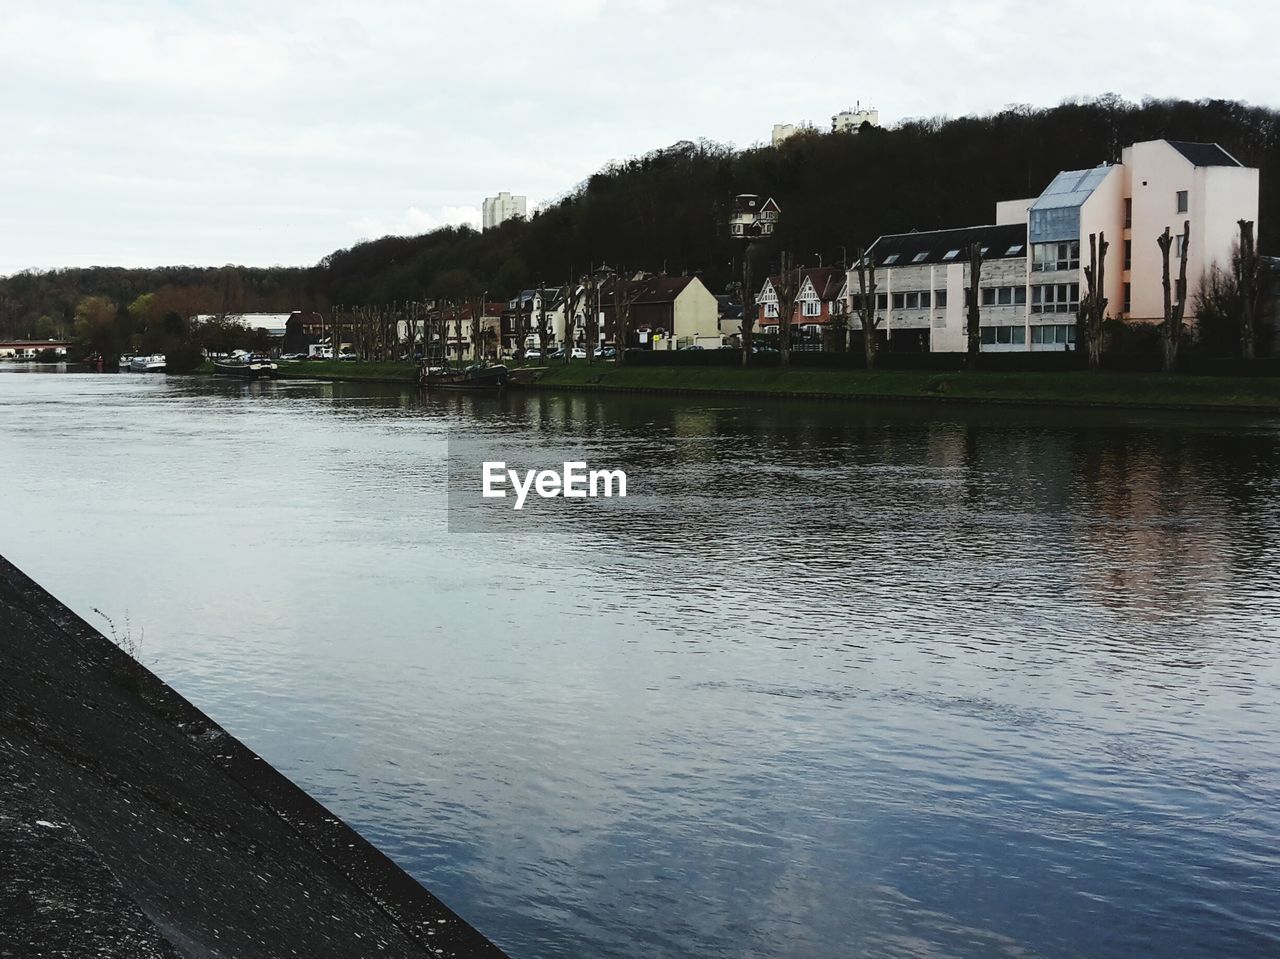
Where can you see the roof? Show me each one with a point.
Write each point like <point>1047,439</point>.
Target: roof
<point>1204,154</point>
<point>915,249</point>
<point>828,281</point>
<point>1071,188</point>
<point>648,290</point>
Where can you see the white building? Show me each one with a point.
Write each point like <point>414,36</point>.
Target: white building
<point>502,207</point>
<point>1033,271</point>
<point>851,121</point>
<point>785,131</point>
<point>752,217</point>
<point>273,323</point>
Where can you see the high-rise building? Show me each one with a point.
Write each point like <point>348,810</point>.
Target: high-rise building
<point>502,207</point>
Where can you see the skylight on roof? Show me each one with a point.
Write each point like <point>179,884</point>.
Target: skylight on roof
<point>919,256</point>
<point>951,254</point>
<point>891,259</point>
<point>1013,250</point>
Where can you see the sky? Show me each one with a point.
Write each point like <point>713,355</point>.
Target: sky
<point>194,132</point>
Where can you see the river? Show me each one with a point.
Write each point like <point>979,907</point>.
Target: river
<point>844,680</point>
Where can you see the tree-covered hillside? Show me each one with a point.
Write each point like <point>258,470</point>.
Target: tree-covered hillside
<point>666,211</point>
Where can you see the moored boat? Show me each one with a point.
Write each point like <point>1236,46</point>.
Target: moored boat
<point>125,360</point>
<point>477,377</point>
<point>253,367</point>
<point>147,364</point>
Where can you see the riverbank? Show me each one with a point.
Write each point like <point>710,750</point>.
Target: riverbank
<point>1142,390</point>
<point>136,827</point>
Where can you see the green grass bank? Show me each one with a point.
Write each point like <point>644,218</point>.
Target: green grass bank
<point>1067,388</point>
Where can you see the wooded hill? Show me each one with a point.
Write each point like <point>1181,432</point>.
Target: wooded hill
<point>667,211</point>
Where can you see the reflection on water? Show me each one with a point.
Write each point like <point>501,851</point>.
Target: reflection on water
<point>845,680</point>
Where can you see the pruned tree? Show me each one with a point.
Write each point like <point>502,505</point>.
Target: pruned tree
<point>520,326</point>
<point>973,301</point>
<point>787,288</point>
<point>477,320</point>
<point>625,295</point>
<point>1171,329</point>
<point>1248,271</point>
<point>749,307</point>
<point>543,327</point>
<point>866,305</point>
<point>1093,305</point>
<point>591,315</point>
<point>570,315</point>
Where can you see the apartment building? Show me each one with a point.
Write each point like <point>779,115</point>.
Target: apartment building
<point>498,209</point>
<point>1031,291</point>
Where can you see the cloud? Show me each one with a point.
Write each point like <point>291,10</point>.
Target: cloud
<point>415,221</point>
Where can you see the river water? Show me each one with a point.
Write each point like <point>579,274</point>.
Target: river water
<point>882,680</point>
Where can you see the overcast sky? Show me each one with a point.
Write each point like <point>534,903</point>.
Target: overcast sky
<point>275,132</point>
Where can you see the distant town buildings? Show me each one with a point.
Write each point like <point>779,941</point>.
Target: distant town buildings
<point>851,121</point>
<point>1032,274</point>
<point>846,121</point>
<point>500,208</point>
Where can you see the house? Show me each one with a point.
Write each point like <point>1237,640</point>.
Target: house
<point>729,316</point>
<point>822,297</point>
<point>1035,253</point>
<point>667,312</point>
<point>752,217</point>
<point>851,121</point>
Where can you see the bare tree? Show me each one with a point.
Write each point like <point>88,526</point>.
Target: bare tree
<point>570,311</point>
<point>625,295</point>
<point>787,289</point>
<point>1250,284</point>
<point>867,314</point>
<point>477,319</point>
<point>543,327</point>
<point>1173,311</point>
<point>1093,305</point>
<point>749,307</point>
<point>973,305</point>
<point>591,315</point>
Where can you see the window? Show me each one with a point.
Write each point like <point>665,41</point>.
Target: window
<point>771,309</point>
<point>925,296</point>
<point>737,229</point>
<point>1128,254</point>
<point>812,308</point>
<point>899,301</point>
<point>1128,212</point>
<point>1053,335</point>
<point>891,259</point>
<point>1055,256</point>
<point>1128,298</point>
<point>1004,335</point>
<point>1177,246</point>
<point>1182,201</point>
<point>919,257</point>
<point>1004,295</point>
<point>915,301</point>
<point>882,301</point>
<point>1055,298</point>
<point>768,216</point>
<point>940,299</point>
<point>1013,250</point>
<point>951,254</point>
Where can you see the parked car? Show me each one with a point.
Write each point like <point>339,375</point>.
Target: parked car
<point>578,353</point>
<point>692,346</point>
<point>350,357</point>
<point>293,357</point>
<point>532,354</point>
<point>556,355</point>
<point>606,353</point>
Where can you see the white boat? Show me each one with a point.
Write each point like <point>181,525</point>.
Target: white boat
<point>147,364</point>
<point>249,365</point>
<point>125,361</point>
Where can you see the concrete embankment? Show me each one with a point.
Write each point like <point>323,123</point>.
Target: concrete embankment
<point>132,825</point>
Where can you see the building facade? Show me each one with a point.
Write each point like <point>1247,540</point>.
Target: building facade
<point>851,121</point>
<point>1033,274</point>
<point>752,216</point>
<point>500,208</point>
